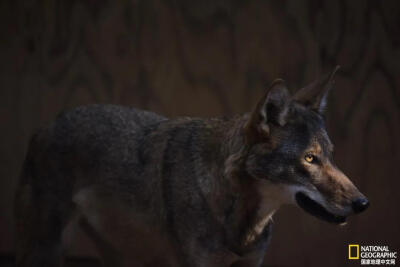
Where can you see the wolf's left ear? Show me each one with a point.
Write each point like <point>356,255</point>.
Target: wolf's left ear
<point>272,109</point>
<point>314,96</point>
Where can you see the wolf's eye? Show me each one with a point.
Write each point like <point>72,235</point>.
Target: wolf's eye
<point>310,158</point>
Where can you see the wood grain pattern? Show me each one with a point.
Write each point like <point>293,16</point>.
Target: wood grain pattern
<point>208,58</point>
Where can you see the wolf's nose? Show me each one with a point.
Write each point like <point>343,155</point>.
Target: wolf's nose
<point>360,204</point>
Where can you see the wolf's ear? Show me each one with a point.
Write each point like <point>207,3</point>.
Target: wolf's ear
<point>314,96</point>
<point>271,109</point>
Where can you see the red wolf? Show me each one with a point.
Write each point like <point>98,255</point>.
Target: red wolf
<point>153,191</point>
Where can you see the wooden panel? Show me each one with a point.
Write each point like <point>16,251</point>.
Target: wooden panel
<point>208,58</point>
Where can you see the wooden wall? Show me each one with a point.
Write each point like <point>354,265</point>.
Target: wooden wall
<point>209,58</point>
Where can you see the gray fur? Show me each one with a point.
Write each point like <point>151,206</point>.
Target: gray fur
<point>163,177</point>
<point>153,191</point>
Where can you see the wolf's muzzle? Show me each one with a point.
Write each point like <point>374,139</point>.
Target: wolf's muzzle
<point>316,209</point>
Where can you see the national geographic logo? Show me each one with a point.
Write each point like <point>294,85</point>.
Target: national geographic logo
<point>354,252</point>
<point>372,255</point>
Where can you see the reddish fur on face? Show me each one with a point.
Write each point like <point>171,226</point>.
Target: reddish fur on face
<point>332,183</point>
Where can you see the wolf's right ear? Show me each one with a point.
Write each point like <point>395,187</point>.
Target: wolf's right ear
<point>272,109</point>
<point>315,94</point>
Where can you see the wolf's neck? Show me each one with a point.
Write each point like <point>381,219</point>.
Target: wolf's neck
<point>255,201</point>
<point>255,209</point>
<point>263,216</point>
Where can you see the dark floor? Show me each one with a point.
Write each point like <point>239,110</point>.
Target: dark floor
<point>9,261</point>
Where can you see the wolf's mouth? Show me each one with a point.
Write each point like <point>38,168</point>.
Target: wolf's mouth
<point>317,210</point>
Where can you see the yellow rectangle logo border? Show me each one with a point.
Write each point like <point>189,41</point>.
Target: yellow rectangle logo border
<point>358,252</point>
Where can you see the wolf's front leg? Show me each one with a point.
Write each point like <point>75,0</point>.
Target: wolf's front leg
<point>199,256</point>
<point>255,261</point>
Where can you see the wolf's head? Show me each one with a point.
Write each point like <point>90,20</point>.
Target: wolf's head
<point>288,146</point>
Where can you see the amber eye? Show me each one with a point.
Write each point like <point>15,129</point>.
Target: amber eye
<point>309,158</point>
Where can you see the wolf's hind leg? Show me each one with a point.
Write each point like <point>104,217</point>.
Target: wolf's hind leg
<point>39,225</point>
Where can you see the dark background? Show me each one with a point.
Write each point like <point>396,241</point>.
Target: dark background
<point>211,58</point>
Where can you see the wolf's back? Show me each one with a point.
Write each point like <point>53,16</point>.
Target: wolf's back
<point>94,118</point>
<point>95,138</point>
<point>100,127</point>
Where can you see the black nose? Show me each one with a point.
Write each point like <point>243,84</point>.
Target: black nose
<point>360,204</point>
